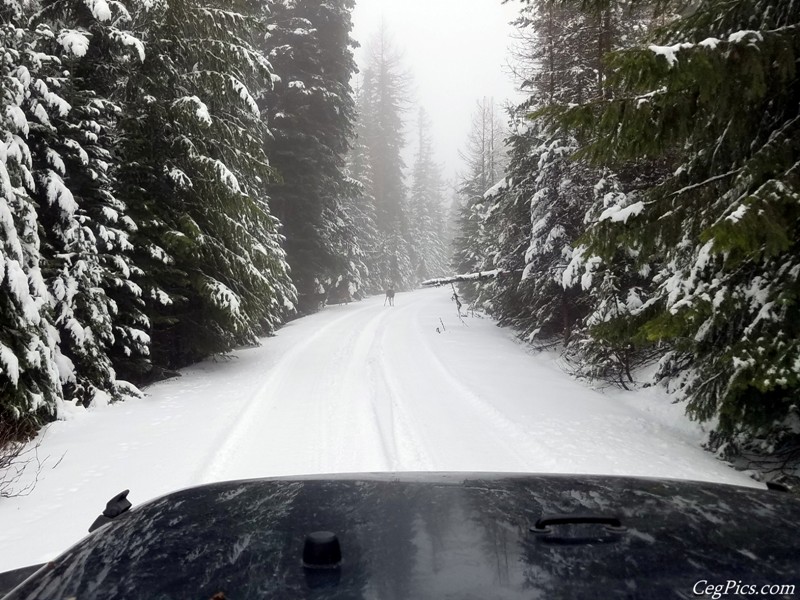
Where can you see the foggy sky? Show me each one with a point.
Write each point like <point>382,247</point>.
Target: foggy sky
<point>457,53</point>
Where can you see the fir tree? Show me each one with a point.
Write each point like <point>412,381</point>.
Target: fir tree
<point>85,228</point>
<point>212,269</point>
<point>533,226</point>
<point>360,205</point>
<point>426,206</point>
<point>451,218</point>
<point>716,99</point>
<point>485,161</point>
<point>30,360</point>
<point>311,112</point>
<point>385,91</point>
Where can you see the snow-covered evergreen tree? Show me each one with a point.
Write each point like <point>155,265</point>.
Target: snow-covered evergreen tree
<point>452,210</point>
<point>531,226</point>
<point>566,48</point>
<point>382,108</point>
<point>85,228</point>
<point>71,232</point>
<point>30,385</point>
<point>349,227</point>
<point>426,207</point>
<point>717,99</point>
<point>360,205</point>
<point>212,269</point>
<point>311,111</point>
<point>485,158</point>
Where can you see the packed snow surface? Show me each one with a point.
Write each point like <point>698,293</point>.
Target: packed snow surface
<point>362,387</point>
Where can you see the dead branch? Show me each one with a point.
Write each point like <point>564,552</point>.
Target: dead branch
<point>486,275</point>
<point>467,277</point>
<point>458,304</point>
<point>16,458</point>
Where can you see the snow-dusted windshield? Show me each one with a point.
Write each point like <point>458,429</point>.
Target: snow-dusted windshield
<point>291,237</point>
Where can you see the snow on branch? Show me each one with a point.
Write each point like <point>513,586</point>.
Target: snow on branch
<point>126,39</point>
<point>496,189</point>
<point>223,297</point>
<point>224,174</point>
<point>620,214</point>
<point>234,84</point>
<point>74,42</point>
<point>100,9</point>
<point>200,109</point>
<point>669,53</point>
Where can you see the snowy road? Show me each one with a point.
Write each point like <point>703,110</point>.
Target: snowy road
<point>354,388</point>
<point>369,388</point>
<point>372,390</point>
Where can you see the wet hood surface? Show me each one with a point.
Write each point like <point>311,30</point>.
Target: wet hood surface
<point>435,536</point>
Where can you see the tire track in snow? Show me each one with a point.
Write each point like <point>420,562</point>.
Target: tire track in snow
<point>406,449</point>
<point>351,415</point>
<point>239,434</point>
<point>457,429</point>
<point>531,453</point>
<point>375,388</point>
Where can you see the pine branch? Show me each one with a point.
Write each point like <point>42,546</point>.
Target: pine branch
<point>694,186</point>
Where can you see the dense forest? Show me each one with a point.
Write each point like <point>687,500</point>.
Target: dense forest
<point>180,177</point>
<point>649,213</point>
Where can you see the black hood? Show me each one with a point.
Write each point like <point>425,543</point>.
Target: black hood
<point>429,535</point>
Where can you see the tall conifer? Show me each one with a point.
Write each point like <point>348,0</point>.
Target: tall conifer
<point>717,98</point>
<point>194,174</point>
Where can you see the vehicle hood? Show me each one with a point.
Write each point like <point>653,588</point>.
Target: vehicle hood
<point>434,535</point>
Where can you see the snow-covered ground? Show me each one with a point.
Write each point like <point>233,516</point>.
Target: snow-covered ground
<point>354,388</point>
